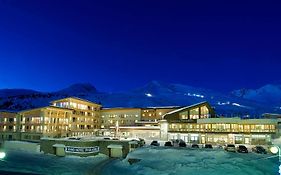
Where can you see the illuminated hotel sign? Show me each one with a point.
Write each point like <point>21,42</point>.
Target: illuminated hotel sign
<point>71,149</point>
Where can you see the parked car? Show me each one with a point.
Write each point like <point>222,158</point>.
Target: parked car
<point>168,143</point>
<point>259,149</point>
<point>142,142</point>
<point>242,149</point>
<point>155,143</point>
<point>194,146</point>
<point>182,144</point>
<point>230,147</point>
<point>208,146</point>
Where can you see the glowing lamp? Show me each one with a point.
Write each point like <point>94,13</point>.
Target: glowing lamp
<point>274,150</point>
<point>2,155</point>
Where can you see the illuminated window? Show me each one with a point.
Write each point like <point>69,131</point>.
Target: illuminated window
<point>184,115</point>
<point>204,112</point>
<point>194,113</point>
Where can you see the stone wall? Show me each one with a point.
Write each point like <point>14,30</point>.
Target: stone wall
<point>47,145</point>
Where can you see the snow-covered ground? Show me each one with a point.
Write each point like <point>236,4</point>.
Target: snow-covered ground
<point>176,161</point>
<point>39,163</point>
<point>21,145</point>
<point>154,161</point>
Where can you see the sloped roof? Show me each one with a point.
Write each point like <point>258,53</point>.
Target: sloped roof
<point>186,107</point>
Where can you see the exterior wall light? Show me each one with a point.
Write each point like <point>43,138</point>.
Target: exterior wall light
<point>2,155</point>
<point>276,149</point>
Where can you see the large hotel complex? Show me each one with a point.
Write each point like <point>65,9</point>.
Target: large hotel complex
<point>73,117</point>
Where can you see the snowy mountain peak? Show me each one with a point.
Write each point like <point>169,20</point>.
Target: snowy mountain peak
<point>79,88</point>
<point>153,87</point>
<point>270,93</point>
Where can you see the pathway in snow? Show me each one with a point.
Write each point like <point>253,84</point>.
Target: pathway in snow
<point>97,170</point>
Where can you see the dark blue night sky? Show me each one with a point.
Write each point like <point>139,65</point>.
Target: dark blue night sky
<point>120,45</point>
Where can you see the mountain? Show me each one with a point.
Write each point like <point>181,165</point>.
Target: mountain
<point>20,99</point>
<point>4,93</point>
<point>268,94</point>
<point>78,89</point>
<point>154,93</point>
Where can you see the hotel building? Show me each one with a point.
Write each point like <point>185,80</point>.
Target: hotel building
<point>63,118</point>
<point>85,116</point>
<point>77,117</point>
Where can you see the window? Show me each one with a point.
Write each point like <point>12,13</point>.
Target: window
<point>194,113</point>
<point>184,115</point>
<point>204,112</point>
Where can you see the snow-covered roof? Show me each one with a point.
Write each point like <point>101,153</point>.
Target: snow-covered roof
<point>75,98</point>
<point>59,145</point>
<point>259,121</point>
<point>115,146</point>
<point>138,127</point>
<point>143,122</point>
<point>45,107</point>
<point>219,120</point>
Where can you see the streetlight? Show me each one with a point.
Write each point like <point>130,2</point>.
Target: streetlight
<point>2,155</point>
<point>276,149</point>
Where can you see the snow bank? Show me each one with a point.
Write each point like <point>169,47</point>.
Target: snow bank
<point>28,162</point>
<point>168,161</point>
<point>21,145</point>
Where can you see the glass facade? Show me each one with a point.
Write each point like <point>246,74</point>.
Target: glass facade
<point>195,113</point>
<point>222,127</point>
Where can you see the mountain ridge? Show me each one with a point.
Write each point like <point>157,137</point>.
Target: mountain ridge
<point>153,93</point>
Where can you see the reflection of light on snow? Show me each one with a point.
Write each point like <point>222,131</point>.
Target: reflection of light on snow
<point>148,95</point>
<point>195,95</point>
<point>236,104</point>
<point>228,103</point>
<point>221,103</point>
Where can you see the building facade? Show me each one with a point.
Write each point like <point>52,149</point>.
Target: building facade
<point>9,126</point>
<point>197,124</point>
<point>85,117</point>
<point>119,116</point>
<point>63,118</point>
<point>44,122</point>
